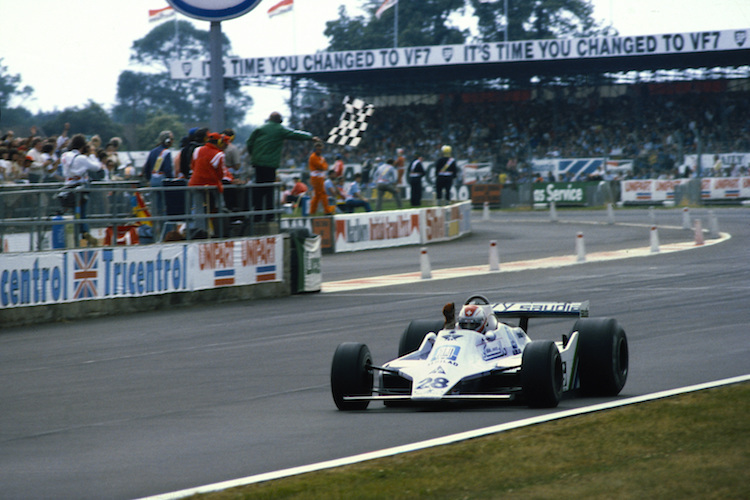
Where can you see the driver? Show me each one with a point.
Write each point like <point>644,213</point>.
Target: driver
<point>475,317</point>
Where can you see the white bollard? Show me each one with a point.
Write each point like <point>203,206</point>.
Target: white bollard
<point>486,211</point>
<point>654,240</point>
<point>698,232</point>
<point>494,256</point>
<point>580,248</point>
<point>713,225</point>
<point>686,219</point>
<point>424,264</point>
<point>651,216</point>
<point>610,214</point>
<point>552,212</point>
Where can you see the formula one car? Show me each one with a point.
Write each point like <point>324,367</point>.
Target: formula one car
<point>480,357</point>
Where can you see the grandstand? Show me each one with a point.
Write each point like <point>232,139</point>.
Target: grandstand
<point>658,102</point>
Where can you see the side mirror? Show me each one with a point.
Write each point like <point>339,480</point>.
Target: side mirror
<point>490,336</point>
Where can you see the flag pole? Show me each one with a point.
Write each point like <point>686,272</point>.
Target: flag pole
<point>395,27</point>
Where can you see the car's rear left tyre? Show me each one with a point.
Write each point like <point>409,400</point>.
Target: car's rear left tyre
<point>603,356</point>
<point>541,374</point>
<point>413,335</point>
<point>351,375</point>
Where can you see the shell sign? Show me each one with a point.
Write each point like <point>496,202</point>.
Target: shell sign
<point>214,10</point>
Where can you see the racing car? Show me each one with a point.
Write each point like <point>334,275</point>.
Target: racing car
<point>481,356</point>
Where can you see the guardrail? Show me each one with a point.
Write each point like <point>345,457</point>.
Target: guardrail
<point>112,209</point>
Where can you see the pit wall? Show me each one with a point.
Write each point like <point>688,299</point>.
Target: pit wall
<point>69,284</point>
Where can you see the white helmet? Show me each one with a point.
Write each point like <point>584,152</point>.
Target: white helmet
<point>473,317</point>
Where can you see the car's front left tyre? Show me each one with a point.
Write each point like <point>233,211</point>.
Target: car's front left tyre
<point>351,375</point>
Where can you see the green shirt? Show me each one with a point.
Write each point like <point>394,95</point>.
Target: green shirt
<point>264,144</point>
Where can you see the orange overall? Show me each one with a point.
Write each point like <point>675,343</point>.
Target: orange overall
<point>318,171</point>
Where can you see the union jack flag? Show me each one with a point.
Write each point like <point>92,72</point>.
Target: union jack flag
<point>85,274</point>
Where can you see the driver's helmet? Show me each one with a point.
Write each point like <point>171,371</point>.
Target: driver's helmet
<point>473,317</point>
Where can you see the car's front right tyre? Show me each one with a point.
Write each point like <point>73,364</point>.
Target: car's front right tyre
<point>351,375</point>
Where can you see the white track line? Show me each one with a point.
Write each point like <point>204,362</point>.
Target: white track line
<point>430,443</point>
<point>523,265</point>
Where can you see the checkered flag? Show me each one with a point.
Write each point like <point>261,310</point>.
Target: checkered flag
<point>352,124</point>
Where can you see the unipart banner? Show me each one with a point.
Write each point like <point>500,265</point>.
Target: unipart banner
<point>42,278</point>
<point>649,190</point>
<point>712,188</point>
<point>485,53</point>
<point>725,188</point>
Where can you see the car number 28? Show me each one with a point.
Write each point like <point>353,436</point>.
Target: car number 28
<point>434,383</point>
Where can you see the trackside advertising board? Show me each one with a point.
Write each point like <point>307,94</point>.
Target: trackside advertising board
<point>712,188</point>
<point>42,278</point>
<point>401,227</point>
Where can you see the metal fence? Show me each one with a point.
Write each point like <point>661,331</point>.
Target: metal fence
<point>54,217</point>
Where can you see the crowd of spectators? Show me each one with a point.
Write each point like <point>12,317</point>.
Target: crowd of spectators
<point>33,159</point>
<point>507,130</point>
<point>655,131</point>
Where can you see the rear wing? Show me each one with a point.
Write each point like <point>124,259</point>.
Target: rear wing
<point>526,310</point>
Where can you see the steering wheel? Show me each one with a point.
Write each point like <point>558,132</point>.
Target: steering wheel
<point>477,299</point>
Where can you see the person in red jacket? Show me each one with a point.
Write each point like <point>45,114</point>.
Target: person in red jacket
<point>207,169</point>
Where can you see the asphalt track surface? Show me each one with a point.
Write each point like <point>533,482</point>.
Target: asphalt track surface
<point>127,407</point>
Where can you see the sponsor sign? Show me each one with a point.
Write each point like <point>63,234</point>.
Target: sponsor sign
<point>213,10</point>
<point>103,273</point>
<point>376,230</point>
<point>452,55</point>
<point>562,193</point>
<point>712,188</point>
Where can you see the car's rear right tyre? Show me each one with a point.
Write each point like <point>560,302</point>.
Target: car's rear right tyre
<point>413,335</point>
<point>603,356</point>
<point>351,375</point>
<point>541,374</point>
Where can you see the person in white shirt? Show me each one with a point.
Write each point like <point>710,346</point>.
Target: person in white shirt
<point>77,163</point>
<point>386,177</point>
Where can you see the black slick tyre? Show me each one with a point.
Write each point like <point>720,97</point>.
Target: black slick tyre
<point>351,375</point>
<point>541,374</point>
<point>415,332</point>
<point>603,356</point>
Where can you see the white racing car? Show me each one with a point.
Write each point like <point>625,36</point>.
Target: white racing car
<point>479,357</point>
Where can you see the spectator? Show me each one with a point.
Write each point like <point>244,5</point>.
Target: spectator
<point>232,154</point>
<point>207,170</point>
<point>158,167</point>
<point>78,163</point>
<point>385,182</point>
<point>354,196</point>
<point>299,188</point>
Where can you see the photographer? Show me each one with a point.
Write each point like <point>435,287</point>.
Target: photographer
<point>77,163</point>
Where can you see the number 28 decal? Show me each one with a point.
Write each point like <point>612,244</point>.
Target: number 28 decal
<point>434,383</point>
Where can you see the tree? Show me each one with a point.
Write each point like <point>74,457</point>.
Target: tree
<point>88,120</point>
<point>10,87</point>
<point>421,22</point>
<point>141,94</point>
<point>536,19</point>
<point>148,133</point>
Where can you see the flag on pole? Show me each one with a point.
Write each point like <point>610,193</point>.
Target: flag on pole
<point>159,14</point>
<point>387,4</point>
<point>281,7</point>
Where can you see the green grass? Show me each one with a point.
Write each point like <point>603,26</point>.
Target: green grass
<point>690,446</point>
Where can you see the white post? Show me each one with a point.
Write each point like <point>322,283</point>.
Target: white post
<point>424,264</point>
<point>494,256</point>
